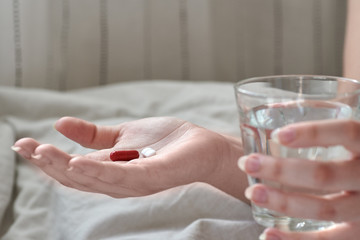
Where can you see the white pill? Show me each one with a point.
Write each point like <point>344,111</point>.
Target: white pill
<point>148,152</point>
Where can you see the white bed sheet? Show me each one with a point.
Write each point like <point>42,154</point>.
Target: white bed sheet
<point>35,207</point>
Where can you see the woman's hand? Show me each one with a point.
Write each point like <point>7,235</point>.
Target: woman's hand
<point>341,178</point>
<point>185,153</point>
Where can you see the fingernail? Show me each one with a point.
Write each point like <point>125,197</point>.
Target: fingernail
<point>256,194</point>
<point>249,164</point>
<point>283,135</point>
<point>275,135</point>
<point>36,156</point>
<point>262,236</point>
<point>241,163</point>
<point>39,159</point>
<point>16,149</point>
<point>21,151</point>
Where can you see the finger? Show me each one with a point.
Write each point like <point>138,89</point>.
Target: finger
<point>127,179</point>
<point>86,183</point>
<point>52,157</point>
<point>302,173</point>
<point>334,207</point>
<point>322,133</point>
<point>25,147</point>
<point>87,134</point>
<point>55,163</point>
<point>348,231</point>
<point>42,155</point>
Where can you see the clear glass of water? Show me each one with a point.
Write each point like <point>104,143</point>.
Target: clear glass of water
<point>268,103</point>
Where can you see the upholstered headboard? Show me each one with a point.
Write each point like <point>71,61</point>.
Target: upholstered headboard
<point>67,44</point>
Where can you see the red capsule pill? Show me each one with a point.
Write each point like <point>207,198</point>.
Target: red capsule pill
<point>124,155</point>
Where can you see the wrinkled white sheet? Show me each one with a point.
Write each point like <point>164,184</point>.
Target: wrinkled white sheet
<point>32,206</point>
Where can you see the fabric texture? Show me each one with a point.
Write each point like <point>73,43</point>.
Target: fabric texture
<point>35,207</point>
<point>68,44</point>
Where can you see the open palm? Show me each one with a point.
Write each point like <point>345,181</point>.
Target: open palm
<point>186,153</point>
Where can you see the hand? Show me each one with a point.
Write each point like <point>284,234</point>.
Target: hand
<point>339,177</point>
<point>185,153</point>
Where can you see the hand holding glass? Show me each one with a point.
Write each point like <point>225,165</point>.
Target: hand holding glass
<point>269,103</point>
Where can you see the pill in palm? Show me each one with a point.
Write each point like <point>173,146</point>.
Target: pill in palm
<point>124,155</point>
<point>148,152</point>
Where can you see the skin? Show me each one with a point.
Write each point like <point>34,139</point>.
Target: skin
<point>340,177</point>
<point>336,177</point>
<point>186,153</point>
<point>352,39</point>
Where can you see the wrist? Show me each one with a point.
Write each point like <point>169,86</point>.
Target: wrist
<point>230,178</point>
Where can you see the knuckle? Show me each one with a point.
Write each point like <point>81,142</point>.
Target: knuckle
<point>284,204</point>
<point>327,211</point>
<point>277,170</point>
<point>352,129</point>
<point>324,175</point>
<point>313,132</point>
<point>43,148</point>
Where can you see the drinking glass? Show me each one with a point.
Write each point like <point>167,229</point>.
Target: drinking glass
<point>271,102</point>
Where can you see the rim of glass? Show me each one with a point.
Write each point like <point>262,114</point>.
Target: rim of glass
<point>297,76</point>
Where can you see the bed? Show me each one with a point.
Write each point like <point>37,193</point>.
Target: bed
<point>113,61</point>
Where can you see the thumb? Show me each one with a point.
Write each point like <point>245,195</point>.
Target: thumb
<point>86,133</point>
